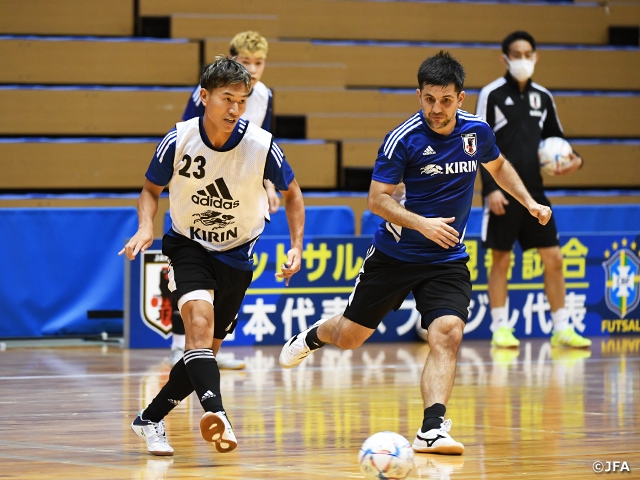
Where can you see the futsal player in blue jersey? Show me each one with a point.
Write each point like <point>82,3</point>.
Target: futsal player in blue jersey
<point>214,166</point>
<point>250,49</point>
<point>436,153</point>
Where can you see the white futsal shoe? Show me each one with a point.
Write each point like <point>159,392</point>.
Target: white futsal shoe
<point>215,427</point>
<point>226,361</point>
<point>438,440</point>
<point>154,434</point>
<point>296,349</point>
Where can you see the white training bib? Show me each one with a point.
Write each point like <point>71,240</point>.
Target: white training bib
<point>218,198</point>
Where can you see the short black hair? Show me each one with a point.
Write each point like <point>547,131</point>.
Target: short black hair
<point>222,72</point>
<point>441,70</point>
<point>514,37</point>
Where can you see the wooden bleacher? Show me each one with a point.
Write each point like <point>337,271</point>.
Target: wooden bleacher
<point>60,61</point>
<point>100,164</point>
<point>66,17</point>
<point>598,170</point>
<point>356,20</point>
<point>330,61</point>
<point>379,65</point>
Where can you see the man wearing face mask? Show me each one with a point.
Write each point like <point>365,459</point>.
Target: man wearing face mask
<point>521,113</point>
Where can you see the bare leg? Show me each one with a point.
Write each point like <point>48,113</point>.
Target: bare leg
<point>343,333</point>
<point>444,336</point>
<point>498,278</point>
<point>554,285</point>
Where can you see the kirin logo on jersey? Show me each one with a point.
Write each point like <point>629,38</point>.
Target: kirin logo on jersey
<point>469,143</point>
<point>431,169</point>
<point>156,297</point>
<point>535,101</point>
<point>622,285</point>
<point>214,219</point>
<point>215,197</point>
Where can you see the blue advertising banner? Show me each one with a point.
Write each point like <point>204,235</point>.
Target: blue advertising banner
<point>601,272</point>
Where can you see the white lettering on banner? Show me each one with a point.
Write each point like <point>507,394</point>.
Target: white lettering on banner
<point>473,323</point>
<point>304,308</point>
<point>334,306</point>
<point>540,307</point>
<point>574,303</point>
<point>259,323</point>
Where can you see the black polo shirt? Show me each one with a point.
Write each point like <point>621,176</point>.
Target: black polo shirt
<point>519,120</point>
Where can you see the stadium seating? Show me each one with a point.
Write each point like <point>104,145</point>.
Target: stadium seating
<point>112,61</point>
<point>104,164</point>
<point>394,65</point>
<point>479,22</point>
<point>84,112</point>
<point>67,17</point>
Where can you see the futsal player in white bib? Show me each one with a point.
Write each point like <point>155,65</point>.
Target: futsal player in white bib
<point>214,166</point>
<point>250,49</point>
<point>418,248</point>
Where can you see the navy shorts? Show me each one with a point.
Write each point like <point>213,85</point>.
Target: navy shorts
<point>194,268</point>
<point>384,282</point>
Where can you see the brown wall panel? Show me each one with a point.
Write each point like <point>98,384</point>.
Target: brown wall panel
<point>223,25</point>
<point>347,126</point>
<point>99,62</point>
<point>410,20</point>
<point>305,75</point>
<point>606,165</point>
<point>615,165</point>
<point>115,165</point>
<point>90,112</point>
<point>369,65</point>
<point>74,165</point>
<point>66,17</point>
<point>314,165</point>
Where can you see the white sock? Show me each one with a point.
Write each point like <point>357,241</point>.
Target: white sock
<point>177,342</point>
<point>560,319</point>
<point>499,317</point>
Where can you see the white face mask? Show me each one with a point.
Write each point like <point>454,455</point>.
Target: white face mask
<point>521,69</point>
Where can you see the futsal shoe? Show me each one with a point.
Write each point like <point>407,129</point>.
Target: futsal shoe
<point>215,427</point>
<point>175,355</point>
<point>438,440</point>
<point>569,338</point>
<point>226,361</point>
<point>296,349</point>
<point>503,338</point>
<point>154,434</point>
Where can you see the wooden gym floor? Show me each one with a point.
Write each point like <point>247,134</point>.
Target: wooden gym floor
<point>539,412</point>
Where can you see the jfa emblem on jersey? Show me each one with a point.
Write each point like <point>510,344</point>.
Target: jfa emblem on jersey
<point>470,143</point>
<point>534,100</point>
<point>622,286</point>
<point>156,307</point>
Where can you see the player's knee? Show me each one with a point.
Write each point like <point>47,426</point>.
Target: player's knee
<point>447,333</point>
<point>501,261</point>
<point>553,262</point>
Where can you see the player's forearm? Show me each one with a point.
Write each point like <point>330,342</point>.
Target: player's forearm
<point>386,207</point>
<point>147,209</point>
<point>294,209</point>
<point>509,180</point>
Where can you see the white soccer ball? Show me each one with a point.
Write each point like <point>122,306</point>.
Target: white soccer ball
<point>386,455</point>
<point>553,153</point>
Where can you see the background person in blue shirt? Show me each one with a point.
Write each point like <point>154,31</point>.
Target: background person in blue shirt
<point>419,248</point>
